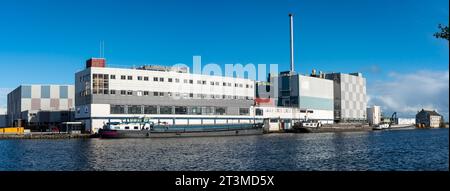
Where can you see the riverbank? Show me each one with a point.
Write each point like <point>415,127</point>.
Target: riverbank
<point>45,136</point>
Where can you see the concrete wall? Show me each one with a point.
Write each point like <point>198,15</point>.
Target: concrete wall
<point>374,115</point>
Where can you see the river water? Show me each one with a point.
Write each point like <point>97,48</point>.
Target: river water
<point>398,150</point>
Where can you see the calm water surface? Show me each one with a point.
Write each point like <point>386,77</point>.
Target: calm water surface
<point>400,150</point>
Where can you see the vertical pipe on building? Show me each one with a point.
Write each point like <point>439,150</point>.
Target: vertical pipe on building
<point>291,18</point>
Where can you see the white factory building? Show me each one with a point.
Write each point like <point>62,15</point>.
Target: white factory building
<point>105,93</point>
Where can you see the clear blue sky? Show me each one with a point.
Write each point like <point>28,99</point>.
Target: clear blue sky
<point>46,41</point>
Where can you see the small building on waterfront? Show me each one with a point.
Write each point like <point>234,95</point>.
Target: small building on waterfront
<point>405,121</point>
<point>429,119</point>
<point>374,115</point>
<point>40,107</point>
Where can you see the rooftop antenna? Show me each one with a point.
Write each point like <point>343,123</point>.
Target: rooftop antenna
<point>102,49</point>
<point>291,18</point>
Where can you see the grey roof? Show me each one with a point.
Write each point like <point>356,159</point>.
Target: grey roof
<point>434,113</point>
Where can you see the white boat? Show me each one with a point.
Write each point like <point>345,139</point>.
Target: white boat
<point>381,126</point>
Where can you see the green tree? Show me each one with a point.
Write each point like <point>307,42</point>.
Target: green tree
<point>444,34</point>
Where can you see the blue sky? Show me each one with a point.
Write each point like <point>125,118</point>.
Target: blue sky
<point>46,41</point>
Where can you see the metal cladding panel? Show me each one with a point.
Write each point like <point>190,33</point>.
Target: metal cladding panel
<point>35,91</point>
<point>54,92</point>
<point>316,87</point>
<point>26,92</point>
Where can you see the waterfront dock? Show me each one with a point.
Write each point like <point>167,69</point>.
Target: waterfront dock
<point>39,135</point>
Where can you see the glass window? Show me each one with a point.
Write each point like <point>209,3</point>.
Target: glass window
<point>207,111</point>
<point>134,109</point>
<point>155,93</point>
<point>259,112</point>
<point>150,110</point>
<point>195,111</point>
<point>181,110</point>
<point>165,110</point>
<point>229,84</point>
<point>161,79</point>
<point>240,85</point>
<point>145,78</point>
<point>170,80</point>
<point>244,111</point>
<point>185,81</point>
<point>191,81</point>
<point>113,77</point>
<point>224,84</point>
<point>217,83</point>
<point>140,78</point>
<point>212,83</point>
<point>146,93</point>
<point>139,93</point>
<point>161,94</point>
<point>155,79</point>
<point>123,92</point>
<point>130,78</point>
<point>177,80</point>
<point>117,109</point>
<point>129,92</point>
<point>127,127</point>
<point>199,82</point>
<point>191,95</point>
<point>221,111</point>
<point>123,77</point>
<point>204,82</point>
<point>136,127</point>
<point>113,92</point>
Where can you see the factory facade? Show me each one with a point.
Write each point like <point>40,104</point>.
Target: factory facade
<point>112,93</point>
<point>350,97</point>
<point>39,106</point>
<point>429,119</point>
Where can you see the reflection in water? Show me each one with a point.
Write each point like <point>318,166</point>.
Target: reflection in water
<point>388,150</point>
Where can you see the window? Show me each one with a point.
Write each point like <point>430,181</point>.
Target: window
<point>146,93</point>
<point>123,92</point>
<point>139,93</point>
<point>123,77</point>
<point>221,111</point>
<point>185,81</point>
<point>165,110</point>
<point>181,110</point>
<point>161,79</point>
<point>244,111</point>
<point>155,79</point>
<point>113,92</point>
<point>136,127</point>
<point>217,83</point>
<point>129,92</point>
<point>224,84</point>
<point>130,78</point>
<point>229,84</point>
<point>140,78</point>
<point>236,85</point>
<point>161,94</point>
<point>177,80</point>
<point>127,127</point>
<point>170,80</point>
<point>150,110</point>
<point>134,109</point>
<point>155,93</point>
<point>199,82</point>
<point>240,85</point>
<point>207,110</point>
<point>195,111</point>
<point>113,77</point>
<point>169,94</point>
<point>191,95</point>
<point>191,81</point>
<point>117,109</point>
<point>145,78</point>
<point>259,112</point>
<point>100,85</point>
<point>212,83</point>
<point>247,86</point>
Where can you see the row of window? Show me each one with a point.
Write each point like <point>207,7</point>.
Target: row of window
<point>176,80</point>
<point>170,94</point>
<point>167,110</point>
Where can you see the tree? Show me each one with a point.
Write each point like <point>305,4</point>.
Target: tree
<point>444,34</point>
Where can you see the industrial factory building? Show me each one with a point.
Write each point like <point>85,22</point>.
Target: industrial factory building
<point>312,95</point>
<point>350,98</point>
<point>40,106</point>
<point>104,93</point>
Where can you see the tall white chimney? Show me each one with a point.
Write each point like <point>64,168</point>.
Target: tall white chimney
<point>291,18</point>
